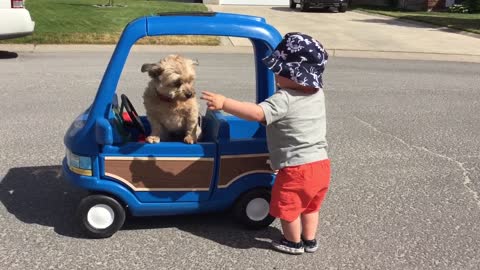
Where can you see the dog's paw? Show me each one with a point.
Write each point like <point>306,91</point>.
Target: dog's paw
<point>189,139</point>
<point>153,139</point>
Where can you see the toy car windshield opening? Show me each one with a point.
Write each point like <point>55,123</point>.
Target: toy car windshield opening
<point>214,125</point>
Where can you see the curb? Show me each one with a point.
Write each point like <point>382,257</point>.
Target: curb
<point>228,48</point>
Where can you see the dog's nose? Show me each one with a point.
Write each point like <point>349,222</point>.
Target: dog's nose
<point>188,94</point>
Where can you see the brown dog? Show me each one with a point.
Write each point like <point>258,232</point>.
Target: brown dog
<point>170,102</point>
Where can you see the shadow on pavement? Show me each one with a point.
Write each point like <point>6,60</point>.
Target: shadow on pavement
<point>311,10</point>
<point>8,55</point>
<point>220,228</point>
<point>40,195</point>
<point>440,21</point>
<point>400,22</point>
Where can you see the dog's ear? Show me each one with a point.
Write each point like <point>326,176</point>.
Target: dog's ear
<point>147,67</point>
<point>154,70</point>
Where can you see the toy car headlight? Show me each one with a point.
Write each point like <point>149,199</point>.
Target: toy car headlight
<point>79,164</point>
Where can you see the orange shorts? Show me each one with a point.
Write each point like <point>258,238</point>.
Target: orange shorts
<point>299,189</point>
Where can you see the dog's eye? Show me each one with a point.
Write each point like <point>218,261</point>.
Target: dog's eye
<point>177,83</point>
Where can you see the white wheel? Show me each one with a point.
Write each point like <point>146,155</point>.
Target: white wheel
<point>257,209</point>
<point>252,209</point>
<point>100,216</point>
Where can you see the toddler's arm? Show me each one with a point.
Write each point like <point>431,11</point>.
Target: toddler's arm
<point>246,110</point>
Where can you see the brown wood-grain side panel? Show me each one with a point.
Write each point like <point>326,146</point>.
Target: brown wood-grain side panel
<point>232,167</point>
<point>162,174</point>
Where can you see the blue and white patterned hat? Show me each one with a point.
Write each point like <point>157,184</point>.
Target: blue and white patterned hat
<point>300,58</point>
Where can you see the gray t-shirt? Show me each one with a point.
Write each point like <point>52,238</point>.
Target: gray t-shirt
<point>296,127</point>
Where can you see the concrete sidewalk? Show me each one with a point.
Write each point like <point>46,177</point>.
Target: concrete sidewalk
<point>366,35</point>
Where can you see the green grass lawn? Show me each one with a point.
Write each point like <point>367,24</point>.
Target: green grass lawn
<point>80,22</point>
<point>467,22</point>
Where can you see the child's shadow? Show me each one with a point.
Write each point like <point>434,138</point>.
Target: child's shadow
<point>40,195</point>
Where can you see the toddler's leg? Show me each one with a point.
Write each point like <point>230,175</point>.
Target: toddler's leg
<point>309,225</point>
<point>292,230</point>
<point>291,242</point>
<point>310,222</point>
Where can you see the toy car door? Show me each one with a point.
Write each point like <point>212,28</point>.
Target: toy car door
<point>163,172</point>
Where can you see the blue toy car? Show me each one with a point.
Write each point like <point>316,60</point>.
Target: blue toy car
<point>227,169</point>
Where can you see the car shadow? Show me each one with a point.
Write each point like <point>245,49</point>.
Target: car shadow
<point>40,195</point>
<point>311,10</point>
<point>219,227</point>
<point>8,55</point>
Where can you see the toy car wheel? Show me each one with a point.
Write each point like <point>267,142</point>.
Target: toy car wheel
<point>101,216</point>
<point>252,209</point>
<point>342,8</point>
<point>293,5</point>
<point>304,5</point>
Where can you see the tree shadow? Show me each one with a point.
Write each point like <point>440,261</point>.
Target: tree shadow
<point>397,22</point>
<point>8,55</point>
<point>440,22</point>
<point>40,195</point>
<point>77,5</point>
<point>454,25</point>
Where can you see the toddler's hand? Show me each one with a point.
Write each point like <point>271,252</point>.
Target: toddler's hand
<point>214,101</point>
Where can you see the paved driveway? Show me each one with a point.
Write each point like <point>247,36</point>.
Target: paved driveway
<point>354,33</point>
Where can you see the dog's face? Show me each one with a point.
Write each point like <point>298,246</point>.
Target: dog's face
<point>173,77</point>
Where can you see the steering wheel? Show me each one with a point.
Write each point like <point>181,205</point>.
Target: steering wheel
<point>137,123</point>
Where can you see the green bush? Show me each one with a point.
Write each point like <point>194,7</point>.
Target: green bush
<point>458,9</point>
<point>393,3</point>
<point>473,5</point>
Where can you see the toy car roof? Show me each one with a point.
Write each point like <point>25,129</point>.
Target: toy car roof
<point>203,23</point>
<point>211,23</point>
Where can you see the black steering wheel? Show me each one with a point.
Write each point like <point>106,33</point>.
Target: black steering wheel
<point>137,123</point>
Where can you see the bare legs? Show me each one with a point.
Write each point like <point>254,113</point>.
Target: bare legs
<point>309,225</point>
<point>292,230</point>
<point>305,225</point>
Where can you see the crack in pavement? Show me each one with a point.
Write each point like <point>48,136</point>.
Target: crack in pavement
<point>466,178</point>
<point>468,156</point>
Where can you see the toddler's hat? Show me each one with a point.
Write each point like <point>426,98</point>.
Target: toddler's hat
<point>300,58</point>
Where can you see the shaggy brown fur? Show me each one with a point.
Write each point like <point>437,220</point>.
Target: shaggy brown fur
<point>170,102</point>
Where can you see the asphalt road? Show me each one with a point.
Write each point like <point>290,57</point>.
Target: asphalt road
<point>404,141</point>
